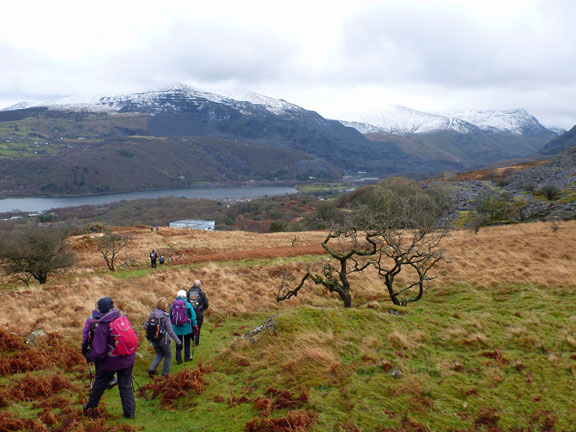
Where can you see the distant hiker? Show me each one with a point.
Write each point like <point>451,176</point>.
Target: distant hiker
<point>153,258</point>
<point>156,228</point>
<point>161,259</point>
<point>197,298</point>
<point>113,351</point>
<point>88,337</point>
<point>151,229</point>
<point>183,320</point>
<point>159,331</point>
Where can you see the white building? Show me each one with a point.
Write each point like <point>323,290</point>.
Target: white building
<point>194,224</point>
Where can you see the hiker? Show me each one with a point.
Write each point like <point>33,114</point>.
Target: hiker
<point>113,354</point>
<point>159,331</point>
<point>88,337</point>
<point>183,320</point>
<point>161,260</point>
<point>153,258</point>
<point>197,298</point>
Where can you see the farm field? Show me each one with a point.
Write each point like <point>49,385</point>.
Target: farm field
<point>490,347</point>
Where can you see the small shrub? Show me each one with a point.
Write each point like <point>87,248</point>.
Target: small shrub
<point>551,192</point>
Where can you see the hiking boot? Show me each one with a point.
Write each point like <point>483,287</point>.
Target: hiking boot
<point>113,383</point>
<point>130,416</point>
<point>151,373</point>
<point>190,358</point>
<point>85,409</point>
<point>179,362</point>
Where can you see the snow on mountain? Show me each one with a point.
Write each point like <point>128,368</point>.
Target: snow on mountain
<point>276,106</point>
<point>399,120</point>
<point>20,105</point>
<point>516,122</point>
<point>162,99</point>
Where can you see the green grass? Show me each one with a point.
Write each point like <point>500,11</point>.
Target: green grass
<point>446,348</point>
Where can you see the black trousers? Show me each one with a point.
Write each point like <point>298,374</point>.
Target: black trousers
<point>199,320</point>
<point>103,377</point>
<point>185,339</point>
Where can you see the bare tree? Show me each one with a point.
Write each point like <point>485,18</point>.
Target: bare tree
<point>392,227</point>
<point>414,250</point>
<point>110,245</point>
<point>346,258</point>
<point>35,252</point>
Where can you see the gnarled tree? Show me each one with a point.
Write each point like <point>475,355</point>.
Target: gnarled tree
<point>393,227</point>
<point>110,245</point>
<point>346,258</point>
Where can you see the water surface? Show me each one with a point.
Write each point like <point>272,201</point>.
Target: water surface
<point>216,193</point>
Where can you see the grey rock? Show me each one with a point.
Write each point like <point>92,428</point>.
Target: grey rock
<point>268,325</point>
<point>31,339</point>
<point>395,373</point>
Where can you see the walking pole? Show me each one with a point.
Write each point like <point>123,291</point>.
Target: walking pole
<point>90,369</point>
<point>140,391</point>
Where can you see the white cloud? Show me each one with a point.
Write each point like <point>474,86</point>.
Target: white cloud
<point>325,55</point>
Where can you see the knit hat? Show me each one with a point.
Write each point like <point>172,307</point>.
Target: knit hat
<point>181,293</point>
<point>105,305</point>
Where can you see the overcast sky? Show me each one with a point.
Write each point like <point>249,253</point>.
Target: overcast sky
<point>335,57</point>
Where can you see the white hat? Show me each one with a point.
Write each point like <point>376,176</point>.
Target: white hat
<point>181,293</point>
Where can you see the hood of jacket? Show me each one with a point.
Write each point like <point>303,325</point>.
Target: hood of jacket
<point>110,316</point>
<point>159,313</point>
<point>96,314</point>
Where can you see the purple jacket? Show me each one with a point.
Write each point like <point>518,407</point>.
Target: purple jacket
<point>95,315</point>
<point>165,325</point>
<point>103,343</point>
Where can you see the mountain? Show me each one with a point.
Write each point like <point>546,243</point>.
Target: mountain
<point>560,144</point>
<point>65,146</point>
<point>469,138</point>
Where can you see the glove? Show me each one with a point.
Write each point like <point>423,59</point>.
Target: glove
<point>179,346</point>
<point>196,330</point>
<point>87,355</point>
<point>85,351</point>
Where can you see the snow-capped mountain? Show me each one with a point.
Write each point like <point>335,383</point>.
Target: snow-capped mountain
<point>162,100</point>
<point>400,120</point>
<point>516,122</point>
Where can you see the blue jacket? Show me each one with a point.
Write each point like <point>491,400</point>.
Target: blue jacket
<point>186,328</point>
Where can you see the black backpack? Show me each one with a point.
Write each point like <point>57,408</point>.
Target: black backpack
<point>195,299</point>
<point>153,331</point>
<point>93,324</point>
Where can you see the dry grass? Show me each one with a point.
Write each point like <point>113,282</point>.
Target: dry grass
<point>495,257</point>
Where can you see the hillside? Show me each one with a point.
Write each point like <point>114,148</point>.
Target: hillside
<point>179,136</point>
<point>490,347</point>
<point>562,143</point>
<point>465,139</point>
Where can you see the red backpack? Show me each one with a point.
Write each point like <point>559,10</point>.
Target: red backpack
<point>124,336</point>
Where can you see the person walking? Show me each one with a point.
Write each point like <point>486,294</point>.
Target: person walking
<point>197,298</point>
<point>159,331</point>
<point>88,337</point>
<point>153,258</point>
<point>183,320</point>
<point>108,354</point>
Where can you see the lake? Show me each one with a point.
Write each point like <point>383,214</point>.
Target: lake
<point>37,205</point>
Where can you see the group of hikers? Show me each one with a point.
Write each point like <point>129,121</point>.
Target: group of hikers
<point>110,342</point>
<point>154,258</point>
